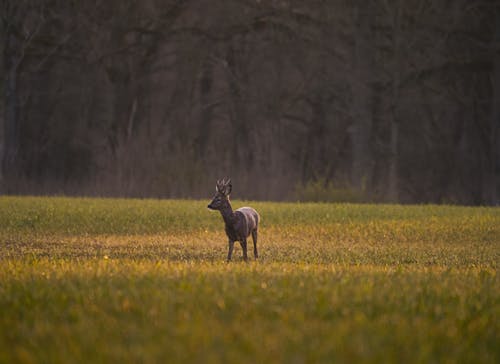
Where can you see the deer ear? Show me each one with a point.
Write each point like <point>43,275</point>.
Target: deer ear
<point>229,187</point>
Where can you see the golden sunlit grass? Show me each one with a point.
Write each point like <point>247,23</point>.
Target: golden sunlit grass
<point>103,280</point>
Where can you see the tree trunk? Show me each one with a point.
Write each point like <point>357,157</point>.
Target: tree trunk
<point>242,155</point>
<point>315,163</point>
<point>393,194</point>
<point>11,120</point>
<point>362,97</point>
<point>490,192</point>
<point>393,189</point>
<point>206,107</point>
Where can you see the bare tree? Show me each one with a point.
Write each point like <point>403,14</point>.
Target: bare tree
<point>362,93</point>
<point>18,31</point>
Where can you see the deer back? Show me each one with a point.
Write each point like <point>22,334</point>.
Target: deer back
<point>249,220</point>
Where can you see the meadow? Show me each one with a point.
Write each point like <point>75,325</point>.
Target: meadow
<point>120,280</point>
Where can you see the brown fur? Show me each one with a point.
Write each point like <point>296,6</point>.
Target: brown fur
<point>240,223</point>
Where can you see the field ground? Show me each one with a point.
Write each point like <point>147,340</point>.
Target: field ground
<point>106,280</point>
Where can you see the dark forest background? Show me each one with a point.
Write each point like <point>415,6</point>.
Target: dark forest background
<point>378,100</point>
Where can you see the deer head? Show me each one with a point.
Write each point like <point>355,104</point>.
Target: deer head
<point>223,190</point>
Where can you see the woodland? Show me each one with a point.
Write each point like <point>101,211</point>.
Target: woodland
<point>392,101</point>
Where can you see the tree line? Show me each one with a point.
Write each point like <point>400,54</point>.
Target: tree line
<point>379,100</point>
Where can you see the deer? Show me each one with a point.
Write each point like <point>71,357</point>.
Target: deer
<point>240,223</point>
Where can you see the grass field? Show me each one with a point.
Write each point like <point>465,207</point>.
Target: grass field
<point>145,281</point>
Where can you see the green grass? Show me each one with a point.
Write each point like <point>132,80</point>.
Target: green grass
<point>106,280</point>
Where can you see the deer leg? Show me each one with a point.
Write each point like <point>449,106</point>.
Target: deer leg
<point>243,244</point>
<point>230,252</point>
<point>254,238</point>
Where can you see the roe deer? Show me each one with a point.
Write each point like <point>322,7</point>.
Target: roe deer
<point>240,223</point>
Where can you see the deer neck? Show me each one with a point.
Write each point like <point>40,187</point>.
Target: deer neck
<point>227,213</point>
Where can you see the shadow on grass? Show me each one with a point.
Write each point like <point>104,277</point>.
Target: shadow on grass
<point>97,250</point>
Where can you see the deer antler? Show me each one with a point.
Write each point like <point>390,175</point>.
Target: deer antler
<point>224,186</point>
